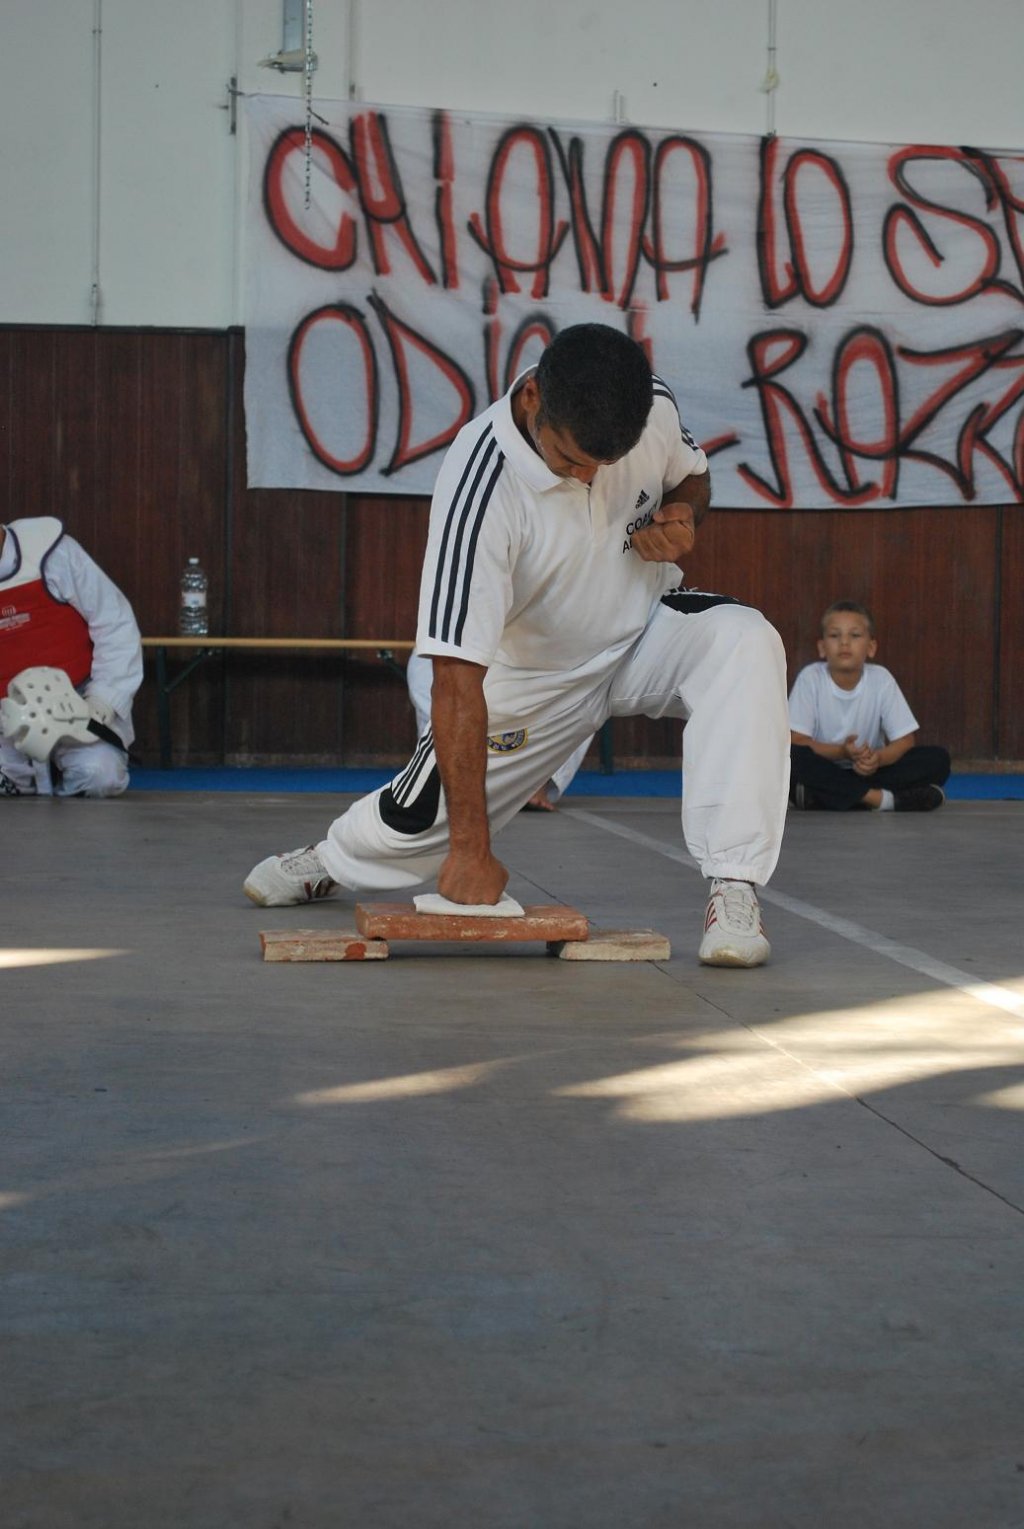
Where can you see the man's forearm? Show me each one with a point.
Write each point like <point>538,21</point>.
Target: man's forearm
<point>694,491</point>
<point>470,873</point>
<point>668,537</point>
<point>459,721</point>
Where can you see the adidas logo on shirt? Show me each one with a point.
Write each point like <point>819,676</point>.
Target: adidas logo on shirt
<point>641,518</point>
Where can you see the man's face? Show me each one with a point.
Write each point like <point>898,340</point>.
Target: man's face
<point>846,643</point>
<point>557,448</point>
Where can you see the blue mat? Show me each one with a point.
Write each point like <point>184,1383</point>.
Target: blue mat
<point>959,788</point>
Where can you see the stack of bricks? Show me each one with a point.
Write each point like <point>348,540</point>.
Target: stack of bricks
<point>565,933</point>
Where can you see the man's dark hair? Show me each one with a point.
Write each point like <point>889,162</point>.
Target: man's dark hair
<point>595,383</point>
<point>854,609</point>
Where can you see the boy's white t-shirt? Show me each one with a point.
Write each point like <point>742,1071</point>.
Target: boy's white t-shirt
<point>875,711</point>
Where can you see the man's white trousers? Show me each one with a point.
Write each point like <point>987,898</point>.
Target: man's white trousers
<point>722,671</point>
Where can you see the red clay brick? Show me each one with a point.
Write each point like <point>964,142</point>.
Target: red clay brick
<point>400,921</point>
<point>320,945</point>
<point>614,945</point>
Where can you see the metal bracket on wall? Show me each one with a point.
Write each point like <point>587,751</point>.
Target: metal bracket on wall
<point>231,105</point>
<point>292,56</point>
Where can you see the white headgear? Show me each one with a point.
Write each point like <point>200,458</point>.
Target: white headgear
<point>41,709</point>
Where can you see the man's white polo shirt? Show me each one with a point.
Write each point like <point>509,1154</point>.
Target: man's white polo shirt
<point>534,572</point>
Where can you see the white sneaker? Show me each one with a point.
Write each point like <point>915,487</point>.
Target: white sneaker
<point>733,931</point>
<point>280,880</point>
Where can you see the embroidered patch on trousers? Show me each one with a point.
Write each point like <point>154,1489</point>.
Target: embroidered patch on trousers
<point>507,743</point>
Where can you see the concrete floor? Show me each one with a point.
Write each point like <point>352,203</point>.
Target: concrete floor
<point>491,1240</point>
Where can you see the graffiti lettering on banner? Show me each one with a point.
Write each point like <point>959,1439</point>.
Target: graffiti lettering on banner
<point>842,323</point>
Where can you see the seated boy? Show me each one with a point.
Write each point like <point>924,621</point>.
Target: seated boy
<point>854,738</point>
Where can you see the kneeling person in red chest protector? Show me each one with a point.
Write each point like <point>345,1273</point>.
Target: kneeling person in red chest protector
<point>59,609</point>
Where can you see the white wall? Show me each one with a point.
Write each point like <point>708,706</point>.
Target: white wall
<point>171,176</point>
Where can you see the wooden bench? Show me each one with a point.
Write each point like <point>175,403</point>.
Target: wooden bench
<point>203,648</point>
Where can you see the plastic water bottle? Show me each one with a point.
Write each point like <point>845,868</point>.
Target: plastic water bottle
<point>193,618</point>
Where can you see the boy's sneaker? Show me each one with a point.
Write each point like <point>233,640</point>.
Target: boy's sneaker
<point>280,880</point>
<point>733,931</point>
<point>918,799</point>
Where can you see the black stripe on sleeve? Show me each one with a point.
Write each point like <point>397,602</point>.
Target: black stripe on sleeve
<point>449,522</point>
<point>662,390</point>
<point>471,548</point>
<point>455,565</point>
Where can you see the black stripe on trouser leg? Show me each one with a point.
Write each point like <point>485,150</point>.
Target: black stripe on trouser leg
<point>407,783</point>
<point>690,602</point>
<point>410,804</point>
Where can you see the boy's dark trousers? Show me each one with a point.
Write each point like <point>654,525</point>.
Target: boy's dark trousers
<point>838,789</point>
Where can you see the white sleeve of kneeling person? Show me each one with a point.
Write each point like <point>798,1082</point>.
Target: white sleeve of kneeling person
<point>116,675</point>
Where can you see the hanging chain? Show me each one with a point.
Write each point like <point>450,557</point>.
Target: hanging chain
<point>309,96</point>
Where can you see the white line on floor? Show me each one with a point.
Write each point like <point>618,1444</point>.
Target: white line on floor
<point>905,955</point>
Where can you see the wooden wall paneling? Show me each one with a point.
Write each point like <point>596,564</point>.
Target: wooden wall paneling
<point>144,470</point>
<point>9,467</point>
<point>922,573</point>
<point>127,445</point>
<point>384,545</point>
<point>169,390</point>
<point>937,617</point>
<point>124,433</point>
<point>31,473</point>
<point>640,743</point>
<point>17,473</point>
<point>80,414</point>
<point>1010,739</point>
<point>180,464</point>
<point>187,495</point>
<point>49,466</point>
<point>286,581</point>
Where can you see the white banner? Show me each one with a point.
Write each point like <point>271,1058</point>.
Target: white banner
<point>842,323</point>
